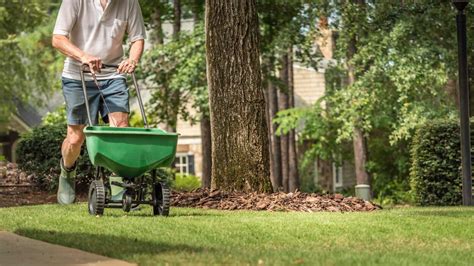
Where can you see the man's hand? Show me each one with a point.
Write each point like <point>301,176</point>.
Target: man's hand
<point>94,63</point>
<point>127,66</point>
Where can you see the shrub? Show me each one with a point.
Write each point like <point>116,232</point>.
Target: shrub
<point>39,152</point>
<point>436,164</point>
<point>186,182</point>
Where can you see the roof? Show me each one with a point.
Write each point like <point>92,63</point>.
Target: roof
<point>28,114</point>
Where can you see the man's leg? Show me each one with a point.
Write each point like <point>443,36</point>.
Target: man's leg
<point>70,151</point>
<point>72,144</point>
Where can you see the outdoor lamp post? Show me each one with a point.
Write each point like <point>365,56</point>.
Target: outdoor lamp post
<point>464,102</point>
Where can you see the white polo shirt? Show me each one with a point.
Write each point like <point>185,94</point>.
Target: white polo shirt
<point>99,32</point>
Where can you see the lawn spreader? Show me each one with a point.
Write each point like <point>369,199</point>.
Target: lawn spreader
<point>132,154</point>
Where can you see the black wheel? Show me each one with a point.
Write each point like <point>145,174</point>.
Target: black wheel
<point>127,201</point>
<point>96,201</point>
<point>161,199</point>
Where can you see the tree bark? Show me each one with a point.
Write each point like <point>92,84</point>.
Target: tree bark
<point>325,175</point>
<point>294,182</point>
<point>175,94</point>
<point>283,104</point>
<point>269,136</point>
<point>177,18</point>
<point>206,152</point>
<point>359,141</point>
<point>156,35</point>
<point>277,181</point>
<point>240,158</point>
<point>206,148</point>
<point>197,9</point>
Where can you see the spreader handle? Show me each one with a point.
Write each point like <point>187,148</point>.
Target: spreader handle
<point>85,69</point>
<point>140,102</point>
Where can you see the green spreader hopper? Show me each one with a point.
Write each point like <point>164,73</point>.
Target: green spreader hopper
<point>130,152</point>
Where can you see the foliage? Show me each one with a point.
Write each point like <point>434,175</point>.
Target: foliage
<point>186,182</point>
<point>28,64</point>
<point>436,160</point>
<point>177,67</point>
<point>284,25</point>
<point>58,117</point>
<point>403,60</point>
<point>39,153</point>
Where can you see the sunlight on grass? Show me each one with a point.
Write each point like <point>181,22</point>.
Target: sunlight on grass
<point>397,236</point>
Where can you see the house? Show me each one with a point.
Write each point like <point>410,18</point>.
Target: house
<point>25,118</point>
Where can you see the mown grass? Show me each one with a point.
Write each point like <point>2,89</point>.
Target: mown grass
<point>409,236</point>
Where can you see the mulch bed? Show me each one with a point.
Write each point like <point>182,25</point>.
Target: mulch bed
<point>16,189</point>
<point>298,201</point>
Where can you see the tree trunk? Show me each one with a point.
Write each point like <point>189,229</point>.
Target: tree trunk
<point>359,141</point>
<point>294,182</point>
<point>238,125</point>
<point>275,140</point>
<point>269,136</point>
<point>206,152</point>
<point>284,104</point>
<point>325,175</point>
<point>175,94</point>
<point>197,9</point>
<point>177,18</point>
<point>206,148</point>
<point>156,35</point>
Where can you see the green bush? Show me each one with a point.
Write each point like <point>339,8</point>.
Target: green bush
<point>436,164</point>
<point>39,152</point>
<point>186,182</point>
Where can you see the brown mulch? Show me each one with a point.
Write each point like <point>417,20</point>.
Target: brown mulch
<point>16,189</point>
<point>298,201</point>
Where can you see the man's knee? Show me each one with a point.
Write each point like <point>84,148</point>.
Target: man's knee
<point>75,135</point>
<point>118,119</point>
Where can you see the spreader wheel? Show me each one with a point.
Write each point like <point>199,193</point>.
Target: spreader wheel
<point>127,201</point>
<point>96,200</point>
<point>161,199</point>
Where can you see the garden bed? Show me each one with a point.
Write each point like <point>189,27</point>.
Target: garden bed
<point>298,201</point>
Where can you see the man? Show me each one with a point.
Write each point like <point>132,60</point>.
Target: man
<point>91,32</point>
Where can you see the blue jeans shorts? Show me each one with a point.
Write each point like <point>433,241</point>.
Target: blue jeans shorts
<point>115,92</point>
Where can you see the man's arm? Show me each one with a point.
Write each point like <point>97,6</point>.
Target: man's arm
<point>65,46</point>
<point>136,50</point>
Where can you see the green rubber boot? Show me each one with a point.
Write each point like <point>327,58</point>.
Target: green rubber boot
<point>67,185</point>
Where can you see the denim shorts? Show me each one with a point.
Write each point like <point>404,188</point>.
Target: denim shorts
<point>114,91</point>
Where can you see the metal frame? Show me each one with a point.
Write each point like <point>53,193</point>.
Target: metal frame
<point>464,103</point>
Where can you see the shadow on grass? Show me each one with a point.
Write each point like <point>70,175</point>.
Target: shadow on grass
<point>121,247</point>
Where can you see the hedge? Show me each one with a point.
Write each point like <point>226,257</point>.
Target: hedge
<point>39,152</point>
<point>435,172</point>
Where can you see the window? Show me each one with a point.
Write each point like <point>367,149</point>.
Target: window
<point>184,163</point>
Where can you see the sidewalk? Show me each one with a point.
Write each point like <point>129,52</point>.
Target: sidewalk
<point>19,250</point>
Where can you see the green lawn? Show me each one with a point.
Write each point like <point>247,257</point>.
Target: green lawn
<point>425,236</point>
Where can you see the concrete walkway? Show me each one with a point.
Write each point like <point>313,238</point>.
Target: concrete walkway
<point>19,250</point>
